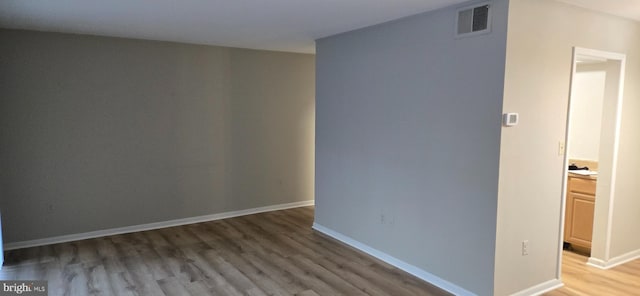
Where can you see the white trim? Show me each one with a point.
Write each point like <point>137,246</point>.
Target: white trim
<point>541,288</point>
<point>420,273</point>
<point>616,137</point>
<point>565,172</point>
<point>615,261</point>
<point>595,262</point>
<point>616,144</point>
<point>152,226</point>
<point>599,53</point>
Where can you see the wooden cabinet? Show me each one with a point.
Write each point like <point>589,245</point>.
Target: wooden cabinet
<point>578,223</point>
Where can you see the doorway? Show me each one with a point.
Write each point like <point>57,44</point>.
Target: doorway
<point>592,139</point>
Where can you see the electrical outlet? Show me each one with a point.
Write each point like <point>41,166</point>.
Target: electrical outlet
<point>525,248</point>
<point>561,148</point>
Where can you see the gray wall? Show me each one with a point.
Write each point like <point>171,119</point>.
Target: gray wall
<point>408,126</point>
<point>102,132</point>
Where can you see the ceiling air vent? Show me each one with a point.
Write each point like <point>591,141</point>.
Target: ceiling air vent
<point>473,20</point>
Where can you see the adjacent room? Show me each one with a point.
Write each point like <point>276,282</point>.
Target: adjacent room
<point>357,147</point>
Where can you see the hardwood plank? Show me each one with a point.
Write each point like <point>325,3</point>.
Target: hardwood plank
<point>308,293</point>
<point>334,281</point>
<point>275,253</point>
<point>157,267</point>
<point>581,279</point>
<point>121,284</point>
<point>255,292</point>
<point>198,288</point>
<point>230,272</point>
<point>98,281</point>
<point>212,276</point>
<point>290,284</point>
<point>172,286</point>
<point>306,277</point>
<point>249,270</point>
<point>140,277</point>
<point>75,281</point>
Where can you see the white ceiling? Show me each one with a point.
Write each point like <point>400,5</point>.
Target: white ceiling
<point>286,25</point>
<point>625,8</point>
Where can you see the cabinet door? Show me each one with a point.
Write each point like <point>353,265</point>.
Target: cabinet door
<point>580,227</point>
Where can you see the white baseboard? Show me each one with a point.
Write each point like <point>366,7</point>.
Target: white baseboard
<point>420,273</point>
<point>540,288</point>
<point>615,261</point>
<point>595,262</point>
<point>152,226</point>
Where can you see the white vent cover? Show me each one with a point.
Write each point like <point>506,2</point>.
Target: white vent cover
<point>473,20</point>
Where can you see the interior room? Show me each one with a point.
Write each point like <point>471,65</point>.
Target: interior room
<point>440,147</point>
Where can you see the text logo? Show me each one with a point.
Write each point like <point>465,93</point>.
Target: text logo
<point>23,288</point>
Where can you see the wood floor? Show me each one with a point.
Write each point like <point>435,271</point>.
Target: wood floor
<point>580,279</point>
<point>274,253</point>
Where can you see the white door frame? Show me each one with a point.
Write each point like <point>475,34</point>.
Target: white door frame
<point>579,51</point>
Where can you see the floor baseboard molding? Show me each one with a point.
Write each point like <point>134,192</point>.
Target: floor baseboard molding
<point>540,288</point>
<point>152,226</point>
<point>420,273</point>
<point>615,261</point>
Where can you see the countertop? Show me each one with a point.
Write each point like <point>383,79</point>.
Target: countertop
<point>592,177</point>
